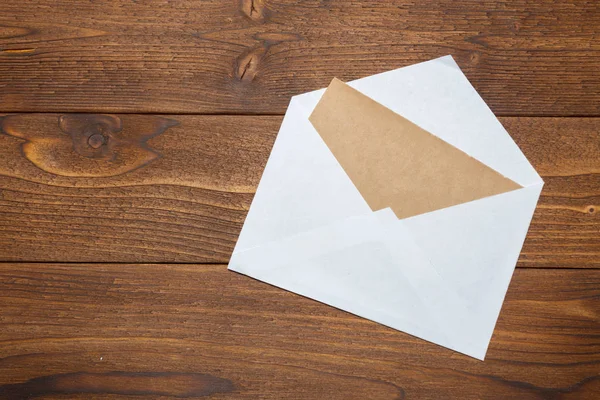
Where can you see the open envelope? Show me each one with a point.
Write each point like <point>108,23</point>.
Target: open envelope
<point>399,198</point>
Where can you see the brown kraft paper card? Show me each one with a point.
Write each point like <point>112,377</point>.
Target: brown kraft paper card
<point>395,163</point>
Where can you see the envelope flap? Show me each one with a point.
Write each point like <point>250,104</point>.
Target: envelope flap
<point>303,186</point>
<point>366,265</point>
<point>474,248</point>
<point>438,97</point>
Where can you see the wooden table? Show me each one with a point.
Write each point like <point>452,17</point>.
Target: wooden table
<point>116,226</point>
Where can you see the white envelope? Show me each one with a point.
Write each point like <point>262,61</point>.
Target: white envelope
<point>442,275</point>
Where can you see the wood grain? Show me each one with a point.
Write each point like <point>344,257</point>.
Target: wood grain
<point>134,187</point>
<point>106,331</point>
<point>188,203</point>
<point>525,57</point>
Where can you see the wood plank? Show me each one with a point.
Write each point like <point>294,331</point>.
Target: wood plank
<point>250,56</point>
<point>189,330</point>
<point>182,195</point>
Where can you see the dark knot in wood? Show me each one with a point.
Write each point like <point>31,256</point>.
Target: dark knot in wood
<point>246,66</point>
<point>87,145</point>
<point>97,140</point>
<point>93,136</point>
<point>254,9</point>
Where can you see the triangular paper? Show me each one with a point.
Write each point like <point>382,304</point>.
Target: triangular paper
<point>395,163</point>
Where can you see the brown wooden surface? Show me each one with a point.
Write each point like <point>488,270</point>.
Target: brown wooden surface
<point>167,183</point>
<point>249,56</point>
<point>188,202</point>
<point>191,329</point>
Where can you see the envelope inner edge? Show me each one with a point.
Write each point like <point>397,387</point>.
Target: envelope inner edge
<point>394,162</point>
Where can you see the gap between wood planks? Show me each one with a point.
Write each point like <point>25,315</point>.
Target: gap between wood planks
<point>227,114</point>
<point>223,264</point>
